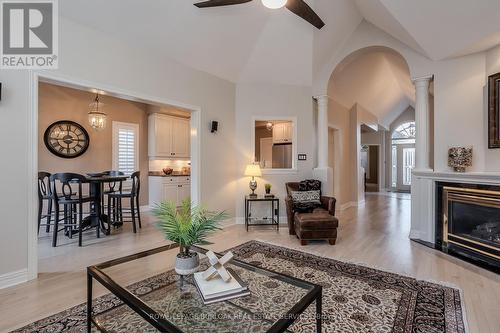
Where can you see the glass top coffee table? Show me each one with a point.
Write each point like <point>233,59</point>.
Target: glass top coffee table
<point>168,303</point>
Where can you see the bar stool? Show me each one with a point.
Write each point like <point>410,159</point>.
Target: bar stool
<point>133,195</point>
<point>108,188</point>
<point>44,194</point>
<point>72,202</point>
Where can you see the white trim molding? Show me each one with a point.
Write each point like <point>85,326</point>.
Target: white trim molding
<point>13,278</point>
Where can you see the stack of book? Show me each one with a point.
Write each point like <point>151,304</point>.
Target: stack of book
<point>217,290</point>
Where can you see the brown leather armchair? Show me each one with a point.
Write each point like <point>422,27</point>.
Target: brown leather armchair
<point>321,223</point>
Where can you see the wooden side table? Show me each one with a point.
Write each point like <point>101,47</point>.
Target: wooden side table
<point>274,219</point>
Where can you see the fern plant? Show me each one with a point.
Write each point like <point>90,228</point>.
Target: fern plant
<point>189,225</point>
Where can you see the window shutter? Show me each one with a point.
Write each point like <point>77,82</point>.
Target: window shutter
<point>125,147</point>
<point>126,150</point>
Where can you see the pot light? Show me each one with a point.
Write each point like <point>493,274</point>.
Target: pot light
<point>274,4</point>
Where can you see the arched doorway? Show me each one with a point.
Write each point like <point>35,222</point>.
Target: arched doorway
<point>368,92</point>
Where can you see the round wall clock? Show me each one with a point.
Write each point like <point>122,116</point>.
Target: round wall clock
<point>66,139</point>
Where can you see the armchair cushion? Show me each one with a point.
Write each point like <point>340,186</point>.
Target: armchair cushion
<point>305,201</point>
<point>310,185</point>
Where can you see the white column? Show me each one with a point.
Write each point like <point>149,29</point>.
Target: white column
<point>422,118</point>
<point>322,128</point>
<point>323,172</point>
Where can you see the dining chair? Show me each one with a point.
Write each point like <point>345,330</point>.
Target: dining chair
<point>44,194</point>
<point>71,198</point>
<point>133,196</point>
<point>112,187</point>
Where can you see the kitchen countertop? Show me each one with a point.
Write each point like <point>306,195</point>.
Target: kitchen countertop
<point>161,174</point>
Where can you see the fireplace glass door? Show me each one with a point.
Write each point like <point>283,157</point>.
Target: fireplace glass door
<point>472,220</point>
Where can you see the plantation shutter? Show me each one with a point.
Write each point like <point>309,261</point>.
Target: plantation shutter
<point>125,147</point>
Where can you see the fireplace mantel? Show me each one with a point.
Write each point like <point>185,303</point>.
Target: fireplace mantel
<point>423,197</point>
<point>479,177</point>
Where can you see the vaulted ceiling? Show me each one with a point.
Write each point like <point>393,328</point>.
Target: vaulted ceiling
<point>250,43</point>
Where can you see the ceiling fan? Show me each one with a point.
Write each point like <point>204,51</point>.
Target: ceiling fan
<point>298,7</point>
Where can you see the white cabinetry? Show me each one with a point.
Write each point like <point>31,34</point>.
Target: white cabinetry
<point>168,137</point>
<point>282,132</point>
<point>174,189</point>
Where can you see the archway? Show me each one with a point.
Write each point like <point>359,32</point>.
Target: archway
<point>368,91</point>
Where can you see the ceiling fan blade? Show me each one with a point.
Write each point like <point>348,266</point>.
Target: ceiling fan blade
<point>217,3</point>
<point>302,9</point>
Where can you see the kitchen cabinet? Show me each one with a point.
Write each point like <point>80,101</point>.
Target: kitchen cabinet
<point>283,133</point>
<point>168,137</point>
<point>174,189</point>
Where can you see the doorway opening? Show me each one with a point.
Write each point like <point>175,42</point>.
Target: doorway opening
<point>129,148</point>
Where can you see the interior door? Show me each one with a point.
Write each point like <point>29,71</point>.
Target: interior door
<point>180,137</point>
<point>406,163</point>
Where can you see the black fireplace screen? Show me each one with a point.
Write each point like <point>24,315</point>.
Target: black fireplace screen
<point>476,222</point>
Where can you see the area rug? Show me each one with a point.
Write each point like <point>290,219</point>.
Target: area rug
<point>355,299</point>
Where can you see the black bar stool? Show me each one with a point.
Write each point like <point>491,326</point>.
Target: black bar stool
<point>108,188</point>
<point>72,201</point>
<point>44,194</point>
<point>133,195</point>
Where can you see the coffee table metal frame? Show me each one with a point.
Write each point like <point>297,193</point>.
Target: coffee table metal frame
<point>151,316</point>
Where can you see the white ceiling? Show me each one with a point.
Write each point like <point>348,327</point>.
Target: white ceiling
<point>377,80</point>
<point>439,29</point>
<point>250,43</point>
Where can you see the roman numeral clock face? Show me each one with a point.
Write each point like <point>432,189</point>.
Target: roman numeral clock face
<point>66,139</point>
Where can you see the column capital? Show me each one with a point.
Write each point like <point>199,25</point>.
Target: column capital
<point>422,80</point>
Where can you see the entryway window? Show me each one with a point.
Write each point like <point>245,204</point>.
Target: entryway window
<point>125,147</point>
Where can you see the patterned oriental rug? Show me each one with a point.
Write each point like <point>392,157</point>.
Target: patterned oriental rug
<point>355,298</point>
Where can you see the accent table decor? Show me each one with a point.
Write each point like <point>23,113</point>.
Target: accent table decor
<point>217,266</point>
<point>459,158</point>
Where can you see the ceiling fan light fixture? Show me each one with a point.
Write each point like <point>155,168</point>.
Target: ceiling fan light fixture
<point>274,4</point>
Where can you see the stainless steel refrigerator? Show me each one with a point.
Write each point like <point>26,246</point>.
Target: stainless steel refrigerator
<point>282,156</point>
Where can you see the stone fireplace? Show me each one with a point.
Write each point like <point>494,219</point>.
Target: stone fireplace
<point>468,221</point>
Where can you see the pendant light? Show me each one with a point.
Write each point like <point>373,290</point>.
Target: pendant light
<point>97,118</point>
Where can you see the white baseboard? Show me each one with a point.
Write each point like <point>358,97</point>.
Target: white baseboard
<point>13,278</point>
<point>415,234</point>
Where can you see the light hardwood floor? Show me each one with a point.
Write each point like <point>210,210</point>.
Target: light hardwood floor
<point>375,234</point>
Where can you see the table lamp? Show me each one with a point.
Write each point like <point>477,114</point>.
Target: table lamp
<point>253,170</point>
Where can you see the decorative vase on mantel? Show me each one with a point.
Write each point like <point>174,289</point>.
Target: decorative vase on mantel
<point>459,158</point>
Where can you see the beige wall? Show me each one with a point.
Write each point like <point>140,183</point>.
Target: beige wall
<point>339,119</point>
<point>60,103</point>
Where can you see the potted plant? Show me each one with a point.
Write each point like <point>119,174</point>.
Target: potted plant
<point>187,226</point>
<point>268,188</point>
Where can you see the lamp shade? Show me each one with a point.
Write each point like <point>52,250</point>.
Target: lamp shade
<point>253,170</point>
